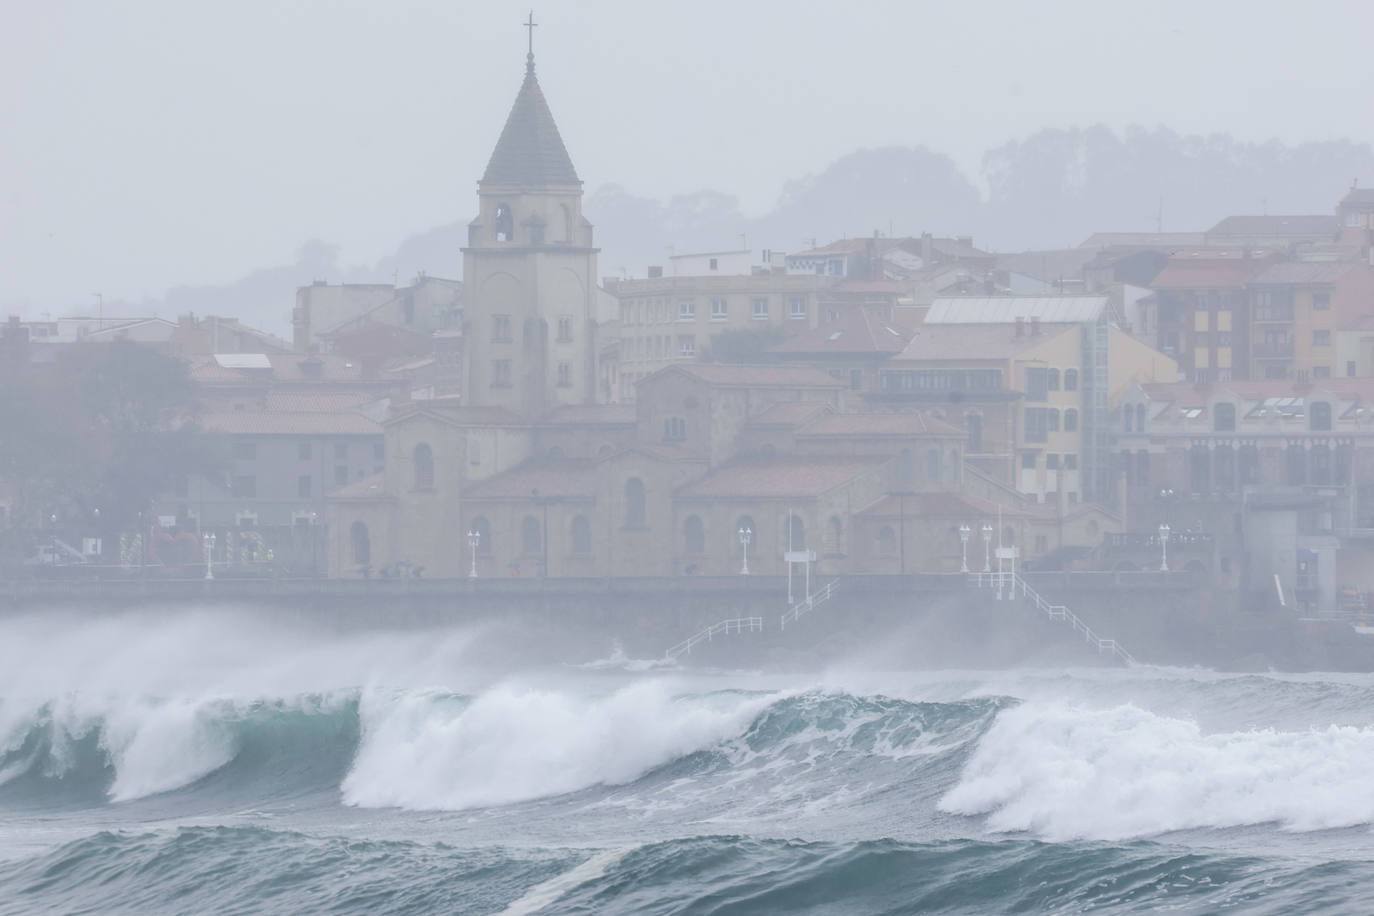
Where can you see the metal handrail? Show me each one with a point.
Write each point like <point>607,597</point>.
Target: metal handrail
<point>808,603</point>
<point>1055,612</point>
<point>724,627</point>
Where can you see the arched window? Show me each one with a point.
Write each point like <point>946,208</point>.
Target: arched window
<point>954,465</point>
<point>424,467</point>
<point>1127,418</point>
<point>1070,379</point>
<point>1248,464</point>
<point>694,535</point>
<point>1140,417</point>
<point>746,523</point>
<point>796,533</point>
<point>634,503</point>
<point>1052,419</point>
<point>1053,380</point>
<point>1321,415</point>
<point>529,534</point>
<point>362,544</point>
<point>505,223</point>
<point>933,465</point>
<point>1321,464</point>
<point>674,429</point>
<point>581,534</point>
<point>1071,420</point>
<point>1224,418</point>
<point>483,529</point>
<point>906,468</point>
<point>887,541</point>
<point>834,536</point>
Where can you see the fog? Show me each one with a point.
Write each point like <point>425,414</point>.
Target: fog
<point>155,145</point>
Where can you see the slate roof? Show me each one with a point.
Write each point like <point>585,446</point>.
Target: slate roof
<point>530,152</point>
<point>1361,196</point>
<point>1276,226</point>
<point>779,478</point>
<point>935,342</point>
<point>788,413</point>
<point>1301,273</point>
<point>1006,309</point>
<point>856,331</point>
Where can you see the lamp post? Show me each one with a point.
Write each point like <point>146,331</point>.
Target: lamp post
<point>745,536</point>
<point>209,541</point>
<point>987,547</point>
<point>964,532</point>
<point>1164,547</point>
<point>474,539</point>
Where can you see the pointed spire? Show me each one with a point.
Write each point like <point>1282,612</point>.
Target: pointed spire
<point>530,151</point>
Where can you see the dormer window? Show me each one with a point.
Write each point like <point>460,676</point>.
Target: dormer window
<point>505,223</point>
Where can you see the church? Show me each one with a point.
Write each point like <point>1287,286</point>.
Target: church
<point>714,469</point>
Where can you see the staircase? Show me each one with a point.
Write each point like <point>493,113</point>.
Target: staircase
<point>734,625</point>
<point>1002,581</point>
<point>808,604</point>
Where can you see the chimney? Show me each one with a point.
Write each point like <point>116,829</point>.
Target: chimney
<point>655,272</point>
<point>1020,326</point>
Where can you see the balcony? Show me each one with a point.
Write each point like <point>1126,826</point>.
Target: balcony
<point>1271,349</point>
<point>1273,315</point>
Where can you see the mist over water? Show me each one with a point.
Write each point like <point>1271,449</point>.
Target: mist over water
<point>399,770</point>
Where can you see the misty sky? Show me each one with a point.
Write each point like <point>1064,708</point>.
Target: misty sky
<point>152,143</point>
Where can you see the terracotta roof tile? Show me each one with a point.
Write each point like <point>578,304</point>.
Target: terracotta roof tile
<point>563,479</point>
<point>881,424</point>
<point>779,479</point>
<point>789,413</point>
<point>855,331</point>
<point>578,414</point>
<point>726,374</point>
<point>286,423</point>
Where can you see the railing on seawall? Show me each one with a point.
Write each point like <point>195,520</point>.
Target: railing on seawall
<point>724,627</point>
<point>808,604</point>
<point>1059,612</point>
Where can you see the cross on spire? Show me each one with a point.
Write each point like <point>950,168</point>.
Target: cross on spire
<point>530,24</point>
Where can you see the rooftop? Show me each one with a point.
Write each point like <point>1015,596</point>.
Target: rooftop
<point>731,375</point>
<point>561,479</point>
<point>530,152</point>
<point>880,424</point>
<point>289,423</point>
<point>779,478</point>
<point>1306,226</point>
<point>977,341</point>
<point>855,331</point>
<point>1006,309</point>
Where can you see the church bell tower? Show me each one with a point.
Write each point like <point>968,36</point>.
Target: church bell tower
<point>529,270</point>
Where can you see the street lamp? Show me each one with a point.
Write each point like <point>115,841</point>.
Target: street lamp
<point>474,538</point>
<point>1164,547</point>
<point>745,536</point>
<point>209,540</point>
<point>987,547</point>
<point>964,532</point>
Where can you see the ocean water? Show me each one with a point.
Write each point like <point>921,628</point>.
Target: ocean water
<point>225,762</point>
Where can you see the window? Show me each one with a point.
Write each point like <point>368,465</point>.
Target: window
<point>1321,464</point>
<point>564,328</point>
<point>1052,420</point>
<point>1350,368</point>
<point>974,423</point>
<point>362,544</point>
<point>686,311</point>
<point>1321,338</point>
<point>1037,424</point>
<point>934,465</point>
<point>1042,543</point>
<point>1070,462</point>
<point>245,451</point>
<point>1127,418</point>
<point>378,451</point>
<point>694,536</point>
<point>720,310</point>
<point>564,375</point>
<point>1321,372</point>
<point>796,534</point>
<point>244,487</point>
<point>1200,461</point>
<point>686,346</point>
<point>500,328</point>
<point>1051,462</point>
<point>674,429</point>
<point>1071,420</point>
<point>1297,465</point>
<point>1223,338</point>
<point>303,451</point>
<point>1053,380</point>
<point>424,466</point>
<point>340,474</point>
<point>581,534</point>
<point>505,223</point>
<point>500,373</point>
<point>1321,301</point>
<point>1037,384</point>
<point>340,451</point>
<point>796,306</point>
<point>1070,379</point>
<point>303,486</point>
<point>1320,415</point>
<point>634,503</point>
<point>1224,418</point>
<point>760,309</point>
<point>1028,461</point>
<point>529,534</point>
<point>714,264</point>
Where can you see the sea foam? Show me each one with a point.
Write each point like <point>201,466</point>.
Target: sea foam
<point>1066,772</point>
